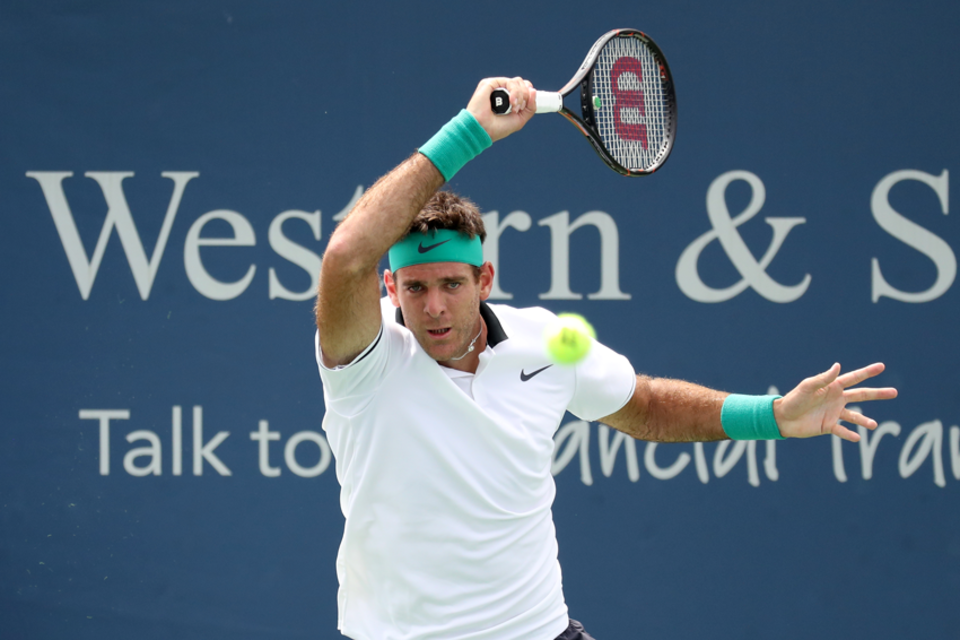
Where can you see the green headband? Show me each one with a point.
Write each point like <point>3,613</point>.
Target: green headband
<point>440,245</point>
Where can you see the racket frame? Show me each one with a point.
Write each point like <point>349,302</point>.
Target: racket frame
<point>587,123</point>
<point>552,102</point>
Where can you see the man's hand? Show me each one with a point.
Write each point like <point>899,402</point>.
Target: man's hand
<point>817,405</point>
<point>523,104</point>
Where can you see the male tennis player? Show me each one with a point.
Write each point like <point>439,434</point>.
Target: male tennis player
<point>441,410</point>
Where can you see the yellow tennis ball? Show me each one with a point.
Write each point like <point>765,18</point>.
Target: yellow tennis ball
<point>568,338</point>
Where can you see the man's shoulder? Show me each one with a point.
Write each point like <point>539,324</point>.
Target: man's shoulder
<point>534,314</point>
<point>387,310</point>
<point>516,320</point>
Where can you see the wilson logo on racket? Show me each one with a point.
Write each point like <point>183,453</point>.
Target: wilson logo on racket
<point>626,82</point>
<point>627,102</point>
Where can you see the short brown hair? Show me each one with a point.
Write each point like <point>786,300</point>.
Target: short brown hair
<point>447,210</point>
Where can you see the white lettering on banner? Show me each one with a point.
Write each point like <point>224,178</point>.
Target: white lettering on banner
<point>913,235</point>
<point>202,451</point>
<point>836,453</point>
<point>153,451</point>
<point>608,452</point>
<point>176,437</point>
<point>202,281</point>
<point>573,441</point>
<point>925,441</point>
<point>263,437</point>
<point>560,230</point>
<point>290,449</point>
<point>144,270</point>
<point>658,472</point>
<point>293,252</point>
<point>724,229</point>
<point>700,462</point>
<point>722,464</point>
<point>118,215</point>
<point>955,451</point>
<point>929,436</point>
<point>519,220</point>
<point>104,416</point>
<point>870,441</point>
<point>571,444</point>
<point>576,434</point>
<point>753,272</point>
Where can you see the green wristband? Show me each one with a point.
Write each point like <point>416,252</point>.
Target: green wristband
<point>749,418</point>
<point>457,143</point>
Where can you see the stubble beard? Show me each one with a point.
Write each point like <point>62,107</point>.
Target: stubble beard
<point>467,332</point>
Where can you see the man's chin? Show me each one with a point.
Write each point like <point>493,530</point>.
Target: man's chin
<point>441,353</point>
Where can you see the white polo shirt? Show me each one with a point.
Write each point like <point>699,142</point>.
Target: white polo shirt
<point>449,531</point>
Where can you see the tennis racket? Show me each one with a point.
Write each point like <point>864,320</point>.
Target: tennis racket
<point>628,109</point>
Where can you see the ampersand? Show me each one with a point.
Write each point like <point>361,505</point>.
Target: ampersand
<point>724,229</point>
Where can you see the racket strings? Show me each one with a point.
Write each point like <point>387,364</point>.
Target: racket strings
<point>632,116</point>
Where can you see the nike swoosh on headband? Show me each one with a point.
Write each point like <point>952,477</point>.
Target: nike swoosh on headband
<point>526,376</point>
<point>423,249</point>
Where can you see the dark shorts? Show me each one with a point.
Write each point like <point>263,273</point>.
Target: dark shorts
<point>575,632</point>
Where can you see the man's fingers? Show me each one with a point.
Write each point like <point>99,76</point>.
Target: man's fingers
<point>521,106</point>
<point>518,94</point>
<point>823,379</point>
<point>865,394</point>
<point>487,85</point>
<point>854,417</point>
<point>858,376</point>
<point>845,434</point>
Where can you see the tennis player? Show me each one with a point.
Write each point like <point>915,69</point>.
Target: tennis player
<point>441,410</point>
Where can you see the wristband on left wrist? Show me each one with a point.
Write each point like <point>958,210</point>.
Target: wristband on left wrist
<point>458,142</point>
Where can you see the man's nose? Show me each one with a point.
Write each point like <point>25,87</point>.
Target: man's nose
<point>434,303</point>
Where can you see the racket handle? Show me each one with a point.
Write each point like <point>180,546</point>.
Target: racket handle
<point>547,101</point>
<point>500,102</point>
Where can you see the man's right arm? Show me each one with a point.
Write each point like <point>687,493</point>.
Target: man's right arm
<point>348,296</point>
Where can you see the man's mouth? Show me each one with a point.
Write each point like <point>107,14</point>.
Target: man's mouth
<point>439,333</point>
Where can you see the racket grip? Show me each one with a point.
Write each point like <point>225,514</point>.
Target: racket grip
<point>547,101</point>
<point>500,102</point>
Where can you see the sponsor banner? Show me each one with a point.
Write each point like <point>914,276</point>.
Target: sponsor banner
<point>171,174</point>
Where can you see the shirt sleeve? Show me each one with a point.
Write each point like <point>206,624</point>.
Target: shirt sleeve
<point>347,389</point>
<point>605,381</point>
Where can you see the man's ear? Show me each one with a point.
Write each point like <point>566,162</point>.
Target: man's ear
<point>486,280</point>
<point>391,286</point>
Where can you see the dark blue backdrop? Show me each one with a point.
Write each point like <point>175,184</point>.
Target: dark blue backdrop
<point>290,107</point>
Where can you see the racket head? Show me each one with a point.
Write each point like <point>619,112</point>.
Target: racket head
<point>627,101</point>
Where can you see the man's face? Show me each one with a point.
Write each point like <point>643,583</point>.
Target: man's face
<point>441,304</point>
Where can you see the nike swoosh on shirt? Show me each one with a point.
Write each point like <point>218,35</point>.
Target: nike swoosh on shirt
<point>424,249</point>
<point>526,376</point>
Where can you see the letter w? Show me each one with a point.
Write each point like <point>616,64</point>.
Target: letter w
<point>118,215</point>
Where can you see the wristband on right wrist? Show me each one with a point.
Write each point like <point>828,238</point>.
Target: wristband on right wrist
<point>457,143</point>
<point>749,418</point>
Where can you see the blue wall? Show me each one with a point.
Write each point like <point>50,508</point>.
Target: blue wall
<point>844,114</point>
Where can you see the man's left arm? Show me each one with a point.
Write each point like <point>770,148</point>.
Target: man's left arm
<point>664,410</point>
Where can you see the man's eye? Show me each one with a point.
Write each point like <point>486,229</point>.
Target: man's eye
<point>453,285</point>
<point>414,288</point>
